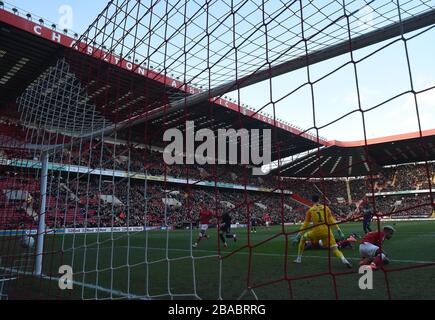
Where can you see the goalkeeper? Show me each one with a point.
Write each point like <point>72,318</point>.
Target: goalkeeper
<point>321,217</point>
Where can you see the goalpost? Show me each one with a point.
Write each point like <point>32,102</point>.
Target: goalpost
<point>90,141</point>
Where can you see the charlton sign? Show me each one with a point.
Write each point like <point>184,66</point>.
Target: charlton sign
<point>64,40</point>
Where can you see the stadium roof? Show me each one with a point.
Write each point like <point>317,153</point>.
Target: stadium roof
<point>112,90</point>
<point>358,158</point>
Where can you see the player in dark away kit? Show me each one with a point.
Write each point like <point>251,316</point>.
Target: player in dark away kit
<point>225,228</point>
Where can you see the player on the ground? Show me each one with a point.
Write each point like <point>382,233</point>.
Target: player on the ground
<point>253,223</point>
<point>267,220</point>
<point>370,248</point>
<point>367,214</point>
<point>225,228</point>
<point>321,217</point>
<point>204,220</point>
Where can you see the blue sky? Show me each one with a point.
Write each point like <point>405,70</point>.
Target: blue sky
<point>380,78</point>
<point>84,12</point>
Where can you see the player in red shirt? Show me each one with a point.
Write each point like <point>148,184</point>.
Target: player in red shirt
<point>370,247</point>
<point>204,220</point>
<point>267,220</point>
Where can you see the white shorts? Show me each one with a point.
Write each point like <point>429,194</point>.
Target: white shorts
<point>203,227</point>
<point>267,223</point>
<point>368,250</point>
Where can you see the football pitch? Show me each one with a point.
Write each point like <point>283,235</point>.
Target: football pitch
<point>163,265</point>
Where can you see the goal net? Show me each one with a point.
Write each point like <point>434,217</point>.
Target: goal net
<point>113,158</point>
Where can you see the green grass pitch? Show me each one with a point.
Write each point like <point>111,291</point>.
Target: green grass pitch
<point>154,264</point>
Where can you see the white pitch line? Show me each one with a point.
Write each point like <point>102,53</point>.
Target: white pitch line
<point>215,253</point>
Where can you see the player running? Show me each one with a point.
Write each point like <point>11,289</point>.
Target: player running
<point>267,220</point>
<point>204,220</point>
<point>370,248</point>
<point>225,228</point>
<point>320,215</point>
